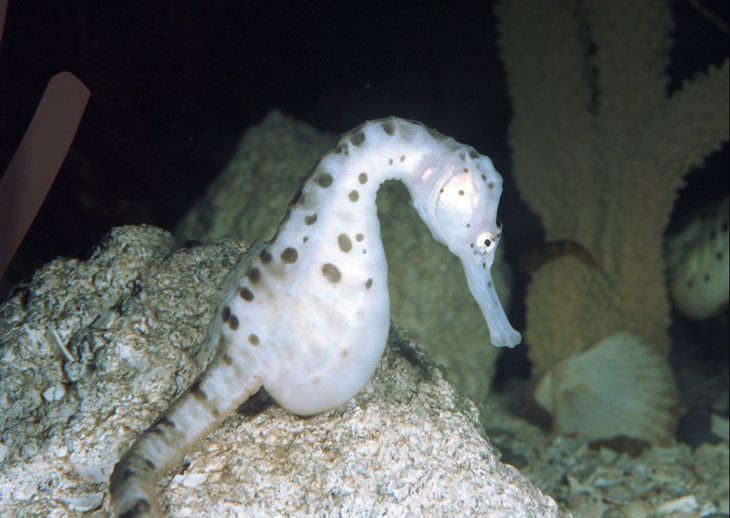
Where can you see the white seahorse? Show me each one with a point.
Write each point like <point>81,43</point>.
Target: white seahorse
<point>306,316</point>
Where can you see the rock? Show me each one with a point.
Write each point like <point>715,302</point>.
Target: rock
<point>129,320</point>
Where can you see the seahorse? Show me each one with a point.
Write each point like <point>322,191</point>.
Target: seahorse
<point>306,316</point>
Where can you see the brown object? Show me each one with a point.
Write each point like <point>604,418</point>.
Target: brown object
<point>39,156</point>
<point>3,10</point>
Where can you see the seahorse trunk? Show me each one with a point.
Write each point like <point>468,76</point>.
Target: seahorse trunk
<point>226,384</point>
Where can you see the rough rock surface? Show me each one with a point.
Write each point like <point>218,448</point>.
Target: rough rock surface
<point>91,351</point>
<point>428,292</point>
<point>615,479</point>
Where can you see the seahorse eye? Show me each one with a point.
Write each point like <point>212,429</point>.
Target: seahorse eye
<point>485,242</point>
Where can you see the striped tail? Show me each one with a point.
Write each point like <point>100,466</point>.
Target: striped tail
<point>227,382</point>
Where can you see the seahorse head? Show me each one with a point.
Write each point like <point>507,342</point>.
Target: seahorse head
<point>457,198</point>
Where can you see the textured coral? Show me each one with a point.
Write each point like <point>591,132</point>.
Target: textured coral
<point>599,152</point>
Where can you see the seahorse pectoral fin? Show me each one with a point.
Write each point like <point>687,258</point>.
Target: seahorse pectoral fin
<point>479,280</point>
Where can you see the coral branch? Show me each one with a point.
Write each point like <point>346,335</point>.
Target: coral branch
<point>701,105</point>
<point>630,87</point>
<point>599,152</point>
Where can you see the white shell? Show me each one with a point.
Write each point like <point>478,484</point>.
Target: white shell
<point>621,386</point>
<point>698,266</point>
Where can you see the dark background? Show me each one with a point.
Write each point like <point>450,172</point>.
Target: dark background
<point>175,84</point>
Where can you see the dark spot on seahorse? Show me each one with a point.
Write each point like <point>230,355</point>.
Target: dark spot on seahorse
<point>461,193</point>
<point>359,236</point>
<point>150,465</point>
<point>354,196</point>
<point>484,177</point>
<point>310,220</point>
<point>466,169</point>
<point>159,423</point>
<point>344,242</point>
<point>254,275</point>
<point>246,294</point>
<point>324,180</point>
<point>388,128</point>
<point>226,359</point>
<point>305,239</point>
<point>226,314</point>
<point>253,339</point>
<point>357,138</point>
<point>402,158</point>
<point>340,148</point>
<point>233,322</point>
<point>331,272</point>
<point>473,154</point>
<point>265,256</point>
<point>289,255</point>
<point>490,185</point>
<point>462,155</point>
<point>197,391</point>
<point>368,284</point>
<point>390,162</point>
<point>362,178</point>
<point>126,474</point>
